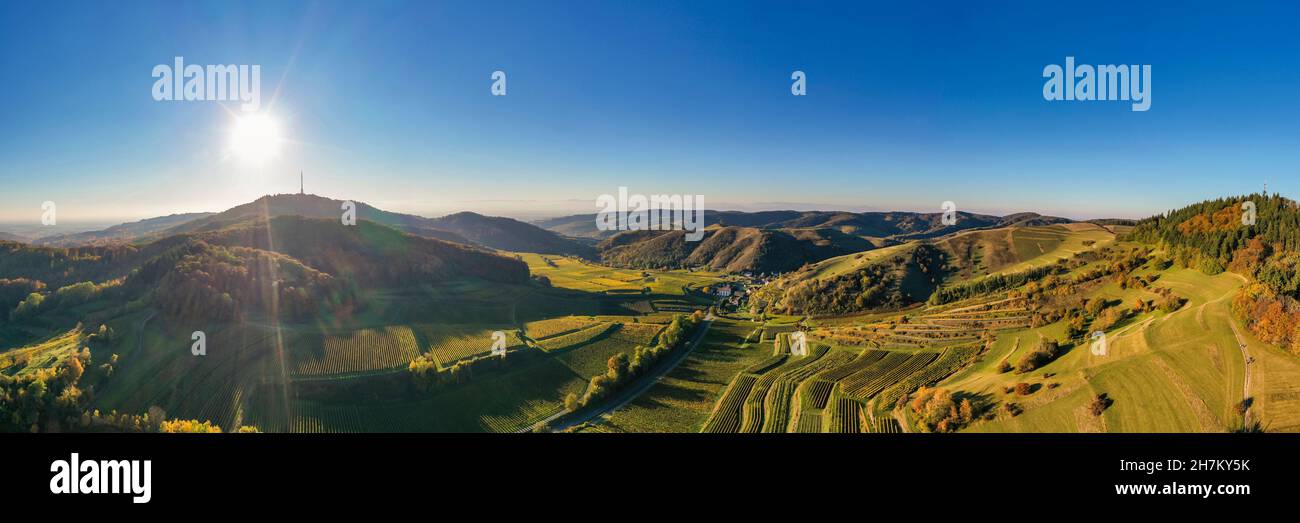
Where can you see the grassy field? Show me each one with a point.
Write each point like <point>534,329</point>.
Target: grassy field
<point>571,273</point>
<point>1039,246</point>
<point>848,263</point>
<point>1165,372</point>
<point>1014,249</point>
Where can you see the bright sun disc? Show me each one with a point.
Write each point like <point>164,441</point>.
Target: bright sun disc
<point>255,137</point>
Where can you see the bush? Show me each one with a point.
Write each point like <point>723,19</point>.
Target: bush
<point>938,410</point>
<point>1099,404</point>
<point>1109,318</point>
<point>1046,351</point>
<point>1169,302</point>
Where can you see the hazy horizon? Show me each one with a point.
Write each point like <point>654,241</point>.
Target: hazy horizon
<point>536,210</point>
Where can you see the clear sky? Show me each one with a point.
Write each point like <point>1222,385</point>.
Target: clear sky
<point>907,105</point>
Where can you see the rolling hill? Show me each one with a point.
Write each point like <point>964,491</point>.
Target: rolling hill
<point>901,275</point>
<point>8,237</point>
<point>509,235</point>
<point>728,249</point>
<point>368,253</point>
<point>466,227</point>
<point>126,232</point>
<point>315,326</point>
<point>897,225</point>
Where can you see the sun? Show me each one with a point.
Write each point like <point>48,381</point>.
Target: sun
<point>255,137</point>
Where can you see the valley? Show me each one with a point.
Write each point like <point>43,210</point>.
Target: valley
<point>390,326</point>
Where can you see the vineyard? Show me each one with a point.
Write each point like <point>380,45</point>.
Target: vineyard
<point>593,352</point>
<point>576,338</point>
<point>451,343</point>
<point>954,324</point>
<point>355,352</point>
<point>540,330</point>
<point>829,390</point>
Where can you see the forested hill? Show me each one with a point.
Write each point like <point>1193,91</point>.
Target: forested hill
<point>1211,236</point>
<point>898,225</point>
<point>729,249</point>
<point>369,253</point>
<point>466,227</point>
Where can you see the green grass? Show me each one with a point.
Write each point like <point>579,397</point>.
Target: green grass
<point>1176,372</point>
<point>832,267</point>
<point>571,273</point>
<point>1039,246</point>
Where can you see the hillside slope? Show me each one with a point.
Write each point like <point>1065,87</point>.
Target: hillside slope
<point>900,275</point>
<point>467,228</point>
<point>727,249</point>
<point>126,232</point>
<point>895,224</point>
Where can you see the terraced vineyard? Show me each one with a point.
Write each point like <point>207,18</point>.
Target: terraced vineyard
<point>827,390</point>
<point>845,415</point>
<point>727,417</point>
<point>953,324</point>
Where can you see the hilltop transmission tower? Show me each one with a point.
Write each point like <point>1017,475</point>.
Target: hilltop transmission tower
<point>300,184</point>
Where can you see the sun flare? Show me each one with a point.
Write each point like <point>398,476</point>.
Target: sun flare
<point>255,137</point>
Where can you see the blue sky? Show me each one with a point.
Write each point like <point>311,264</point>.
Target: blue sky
<point>907,105</point>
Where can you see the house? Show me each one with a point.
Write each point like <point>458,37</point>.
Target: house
<point>722,291</point>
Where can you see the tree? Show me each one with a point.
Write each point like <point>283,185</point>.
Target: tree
<point>1046,351</point>
<point>73,371</point>
<point>618,366</point>
<point>189,426</point>
<point>1099,404</point>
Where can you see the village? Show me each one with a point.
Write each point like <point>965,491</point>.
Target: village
<point>733,295</point>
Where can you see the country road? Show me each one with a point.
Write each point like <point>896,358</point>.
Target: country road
<point>1245,355</point>
<point>625,396</point>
